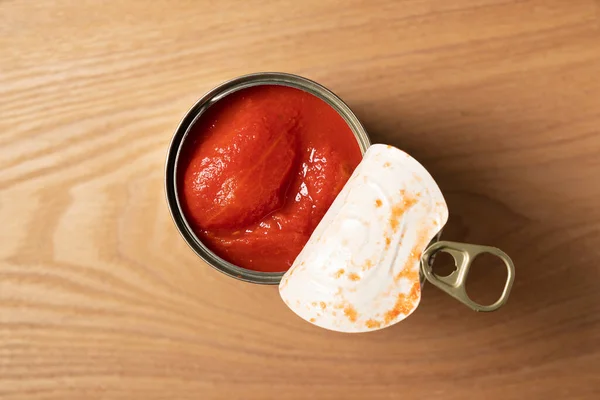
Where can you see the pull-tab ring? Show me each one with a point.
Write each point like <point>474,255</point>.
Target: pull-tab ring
<point>454,284</point>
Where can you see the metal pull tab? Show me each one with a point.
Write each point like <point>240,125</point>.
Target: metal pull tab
<point>454,284</point>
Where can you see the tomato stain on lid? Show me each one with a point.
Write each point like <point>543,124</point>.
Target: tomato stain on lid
<point>351,313</point>
<point>404,305</point>
<point>408,273</point>
<point>367,265</point>
<point>388,241</point>
<point>372,324</point>
<point>398,211</point>
<point>353,276</point>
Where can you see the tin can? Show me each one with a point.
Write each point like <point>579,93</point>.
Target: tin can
<point>463,253</point>
<point>183,130</point>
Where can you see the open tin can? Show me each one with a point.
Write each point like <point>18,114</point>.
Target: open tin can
<point>183,131</point>
<point>463,254</point>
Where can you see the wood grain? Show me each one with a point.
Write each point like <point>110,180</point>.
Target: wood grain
<point>101,299</point>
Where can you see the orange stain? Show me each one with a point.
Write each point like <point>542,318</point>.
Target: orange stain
<point>372,324</point>
<point>312,320</point>
<point>339,273</point>
<point>404,304</point>
<point>353,276</point>
<point>368,265</point>
<point>398,211</point>
<point>388,241</point>
<point>415,293</point>
<point>314,303</point>
<point>378,203</point>
<point>413,258</point>
<point>323,305</point>
<point>387,165</point>
<point>351,313</point>
<point>409,274</point>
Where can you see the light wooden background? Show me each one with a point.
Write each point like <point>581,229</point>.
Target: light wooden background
<point>101,299</point>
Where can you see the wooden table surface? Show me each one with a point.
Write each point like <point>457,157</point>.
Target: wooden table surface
<point>100,298</point>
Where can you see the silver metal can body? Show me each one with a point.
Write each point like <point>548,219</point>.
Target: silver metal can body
<point>195,113</point>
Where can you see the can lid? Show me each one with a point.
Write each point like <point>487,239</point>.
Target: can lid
<point>360,270</point>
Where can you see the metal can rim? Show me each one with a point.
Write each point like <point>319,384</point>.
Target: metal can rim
<point>189,119</point>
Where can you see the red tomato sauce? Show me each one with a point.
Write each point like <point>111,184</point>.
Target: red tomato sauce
<point>260,169</point>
